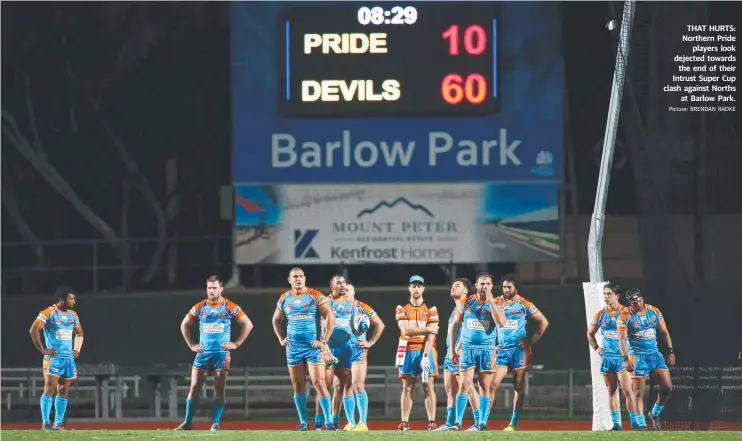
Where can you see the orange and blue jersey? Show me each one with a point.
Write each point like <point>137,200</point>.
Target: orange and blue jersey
<point>302,314</point>
<point>517,313</point>
<point>607,322</point>
<point>479,335</point>
<point>417,317</point>
<point>641,328</point>
<point>448,364</point>
<point>342,334</point>
<point>215,322</point>
<point>59,330</point>
<point>343,342</point>
<point>478,329</point>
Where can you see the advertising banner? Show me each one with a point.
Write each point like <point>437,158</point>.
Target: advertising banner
<point>402,223</point>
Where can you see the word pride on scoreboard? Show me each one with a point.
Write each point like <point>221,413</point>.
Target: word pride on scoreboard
<point>353,60</point>
<point>387,92</point>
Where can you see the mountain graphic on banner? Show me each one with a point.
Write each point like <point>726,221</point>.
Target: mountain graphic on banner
<point>400,200</point>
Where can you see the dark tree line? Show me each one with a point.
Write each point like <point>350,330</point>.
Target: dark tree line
<point>98,99</point>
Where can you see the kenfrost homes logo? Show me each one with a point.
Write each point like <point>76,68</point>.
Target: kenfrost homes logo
<point>303,248</point>
<point>401,200</point>
<point>544,164</point>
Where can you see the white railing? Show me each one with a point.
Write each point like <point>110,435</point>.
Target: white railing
<point>267,392</point>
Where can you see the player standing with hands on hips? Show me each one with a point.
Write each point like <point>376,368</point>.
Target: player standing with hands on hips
<point>515,352</point>
<point>61,327</point>
<point>214,315</point>
<point>305,308</point>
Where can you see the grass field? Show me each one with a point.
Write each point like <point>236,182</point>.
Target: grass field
<point>228,435</point>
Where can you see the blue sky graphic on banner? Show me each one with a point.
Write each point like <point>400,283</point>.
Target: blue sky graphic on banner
<point>521,138</point>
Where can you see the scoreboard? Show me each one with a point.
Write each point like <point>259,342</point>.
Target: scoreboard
<point>389,60</point>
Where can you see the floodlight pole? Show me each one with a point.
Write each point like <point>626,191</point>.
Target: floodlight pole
<point>597,224</point>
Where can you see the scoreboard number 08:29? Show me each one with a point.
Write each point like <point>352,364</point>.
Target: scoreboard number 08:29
<point>396,16</point>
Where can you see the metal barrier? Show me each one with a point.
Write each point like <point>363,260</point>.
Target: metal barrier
<point>260,392</point>
<point>108,392</point>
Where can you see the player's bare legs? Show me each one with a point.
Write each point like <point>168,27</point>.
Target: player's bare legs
<point>639,383</point>
<point>664,384</point>
<point>519,393</point>
<point>451,386</point>
<point>405,401</point>
<point>496,378</point>
<point>329,376</point>
<point>220,397</point>
<point>624,379</point>
<point>465,383</point>
<point>317,374</point>
<point>47,399</point>
<point>60,402</point>
<point>343,397</point>
<point>357,389</point>
<point>198,377</point>
<point>429,391</point>
<point>612,384</point>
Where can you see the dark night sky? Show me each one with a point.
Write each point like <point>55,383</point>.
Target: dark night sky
<point>158,75</point>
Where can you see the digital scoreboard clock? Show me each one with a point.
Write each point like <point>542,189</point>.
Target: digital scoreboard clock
<point>389,60</point>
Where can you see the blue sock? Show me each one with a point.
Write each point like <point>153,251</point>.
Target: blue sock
<point>450,416</point>
<point>60,407</point>
<point>641,421</point>
<point>461,400</point>
<point>632,418</point>
<point>46,407</point>
<point>326,404</point>
<point>217,408</point>
<point>515,419</point>
<point>362,398</point>
<point>318,419</point>
<point>475,413</point>
<point>300,401</point>
<point>484,409</point>
<point>616,417</point>
<point>349,404</point>
<point>657,409</point>
<point>191,406</point>
<point>335,418</point>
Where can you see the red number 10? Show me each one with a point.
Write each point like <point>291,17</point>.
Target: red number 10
<point>472,48</point>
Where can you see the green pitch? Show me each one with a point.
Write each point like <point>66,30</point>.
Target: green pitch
<point>228,435</point>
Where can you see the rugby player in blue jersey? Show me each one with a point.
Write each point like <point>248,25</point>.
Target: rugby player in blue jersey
<point>515,352</point>
<point>360,369</point>
<point>638,326</point>
<point>61,326</point>
<point>460,290</point>
<point>304,308</point>
<point>478,318</point>
<point>342,344</point>
<point>214,315</point>
<point>611,366</point>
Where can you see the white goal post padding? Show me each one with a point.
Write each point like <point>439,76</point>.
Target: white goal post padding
<point>601,410</point>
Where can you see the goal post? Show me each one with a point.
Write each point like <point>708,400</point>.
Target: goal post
<point>593,290</point>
